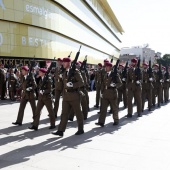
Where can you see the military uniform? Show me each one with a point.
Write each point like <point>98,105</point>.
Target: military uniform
<point>58,89</point>
<point>44,98</point>
<point>134,90</point>
<point>122,91</point>
<point>166,87</point>
<point>71,99</point>
<point>158,79</point>
<point>12,82</point>
<point>109,97</point>
<point>147,87</point>
<point>98,83</point>
<point>27,95</point>
<point>2,83</point>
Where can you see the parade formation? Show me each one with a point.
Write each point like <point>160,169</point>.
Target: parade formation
<point>126,82</point>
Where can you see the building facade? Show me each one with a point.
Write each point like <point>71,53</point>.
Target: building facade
<point>142,52</point>
<point>53,28</point>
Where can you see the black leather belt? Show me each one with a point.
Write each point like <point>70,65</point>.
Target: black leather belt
<point>112,88</point>
<point>145,81</point>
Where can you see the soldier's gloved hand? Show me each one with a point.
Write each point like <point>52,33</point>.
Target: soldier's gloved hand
<point>61,76</point>
<point>113,85</point>
<point>123,79</point>
<point>161,81</point>
<point>69,84</point>
<point>151,79</point>
<point>101,95</point>
<point>137,82</point>
<point>167,80</point>
<point>41,92</point>
<point>29,89</point>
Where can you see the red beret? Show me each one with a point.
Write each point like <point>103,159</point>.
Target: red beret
<point>145,64</point>
<point>134,60</point>
<point>109,64</point>
<point>105,61</point>
<point>100,65</point>
<point>163,67</point>
<point>59,59</point>
<point>25,68</point>
<point>43,70</point>
<point>67,59</point>
<point>80,62</point>
<point>156,65</point>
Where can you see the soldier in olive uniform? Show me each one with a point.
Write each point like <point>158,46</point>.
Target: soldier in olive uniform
<point>134,86</point>
<point>157,83</point>
<point>109,95</point>
<point>12,82</point>
<point>44,98</point>
<point>28,86</point>
<point>98,82</point>
<point>58,84</point>
<point>71,98</point>
<point>2,82</point>
<point>122,90</point>
<point>147,86</point>
<point>166,84</point>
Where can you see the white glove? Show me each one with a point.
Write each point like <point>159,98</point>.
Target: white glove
<point>113,85</point>
<point>161,81</point>
<point>101,95</point>
<point>41,92</point>
<point>167,79</point>
<point>29,89</point>
<point>61,76</point>
<point>69,84</point>
<point>138,82</point>
<point>151,79</point>
<point>123,79</point>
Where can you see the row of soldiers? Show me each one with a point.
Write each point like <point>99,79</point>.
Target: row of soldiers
<point>72,84</point>
<point>134,83</point>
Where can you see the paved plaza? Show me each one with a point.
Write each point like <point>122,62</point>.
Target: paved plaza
<point>135,144</point>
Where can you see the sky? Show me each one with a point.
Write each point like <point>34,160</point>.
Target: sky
<point>144,22</point>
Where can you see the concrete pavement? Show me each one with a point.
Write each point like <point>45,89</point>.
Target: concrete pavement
<point>136,144</point>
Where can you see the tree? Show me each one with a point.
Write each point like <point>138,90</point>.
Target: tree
<point>165,60</point>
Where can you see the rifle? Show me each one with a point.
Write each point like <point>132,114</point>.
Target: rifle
<point>167,73</point>
<point>150,69</point>
<point>124,73</point>
<point>73,66</point>
<point>114,72</point>
<point>83,66</point>
<point>43,85</point>
<point>111,60</point>
<point>160,72</point>
<point>137,70</point>
<point>29,77</point>
<point>62,69</point>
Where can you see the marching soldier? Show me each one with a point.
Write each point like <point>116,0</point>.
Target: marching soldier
<point>158,80</point>
<point>27,95</point>
<point>166,85</point>
<point>12,82</point>
<point>134,80</point>
<point>122,90</point>
<point>98,82</point>
<point>147,86</point>
<point>71,98</point>
<point>58,84</point>
<point>44,98</point>
<point>109,95</point>
<point>84,105</point>
<point>2,82</point>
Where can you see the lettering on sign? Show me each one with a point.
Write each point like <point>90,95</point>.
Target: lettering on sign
<point>39,11</point>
